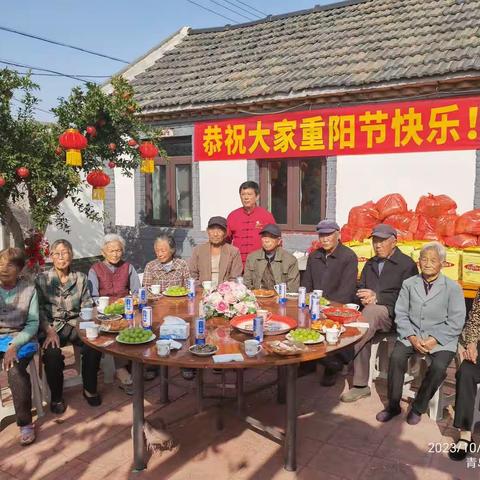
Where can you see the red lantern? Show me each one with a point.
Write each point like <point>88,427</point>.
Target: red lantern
<point>23,172</point>
<point>73,142</point>
<point>148,152</point>
<point>98,179</point>
<point>91,130</point>
<point>2,182</point>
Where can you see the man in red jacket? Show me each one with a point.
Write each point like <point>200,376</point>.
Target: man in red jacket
<point>245,224</point>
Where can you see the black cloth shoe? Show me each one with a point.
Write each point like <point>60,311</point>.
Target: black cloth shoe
<point>458,454</point>
<point>94,401</point>
<point>58,407</point>
<point>387,414</point>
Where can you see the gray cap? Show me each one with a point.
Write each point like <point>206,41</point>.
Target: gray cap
<point>327,226</point>
<point>217,221</point>
<point>272,229</point>
<point>383,230</point>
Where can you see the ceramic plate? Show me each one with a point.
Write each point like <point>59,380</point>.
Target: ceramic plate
<point>276,324</point>
<point>202,354</point>
<point>321,338</point>
<point>152,337</point>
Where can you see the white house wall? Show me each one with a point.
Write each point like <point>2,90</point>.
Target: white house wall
<point>219,182</point>
<point>85,236</point>
<point>368,177</point>
<point>124,200</point>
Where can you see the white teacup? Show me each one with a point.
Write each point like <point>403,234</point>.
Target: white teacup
<point>252,347</point>
<point>207,285</point>
<point>353,306</point>
<point>319,293</point>
<point>86,313</point>
<point>102,303</point>
<point>332,335</point>
<point>163,348</point>
<point>92,332</point>
<point>155,289</point>
<point>265,314</point>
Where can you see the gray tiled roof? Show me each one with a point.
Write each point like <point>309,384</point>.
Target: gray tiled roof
<point>357,44</point>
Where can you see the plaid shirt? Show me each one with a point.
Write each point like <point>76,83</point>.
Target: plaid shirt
<point>61,303</point>
<point>155,274</point>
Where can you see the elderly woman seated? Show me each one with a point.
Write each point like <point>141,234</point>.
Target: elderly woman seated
<point>216,261</point>
<point>114,277</point>
<point>62,293</point>
<point>429,315</point>
<point>18,326</point>
<point>166,270</point>
<point>468,379</point>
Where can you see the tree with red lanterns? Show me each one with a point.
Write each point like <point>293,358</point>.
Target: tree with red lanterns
<point>43,164</point>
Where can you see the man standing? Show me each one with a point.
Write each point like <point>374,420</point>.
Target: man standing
<point>271,264</point>
<point>244,224</point>
<point>333,267</point>
<point>380,285</point>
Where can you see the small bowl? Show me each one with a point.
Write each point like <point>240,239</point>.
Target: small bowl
<point>341,314</point>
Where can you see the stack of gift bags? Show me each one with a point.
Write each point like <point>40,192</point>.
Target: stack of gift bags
<point>434,218</point>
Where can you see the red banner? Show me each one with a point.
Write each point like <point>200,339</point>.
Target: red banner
<point>410,126</point>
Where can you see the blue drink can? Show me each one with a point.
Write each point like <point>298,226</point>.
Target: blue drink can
<point>315,306</point>
<point>191,287</point>
<point>302,297</point>
<point>200,333</point>
<point>258,328</point>
<point>128,308</point>
<point>147,318</point>
<point>142,298</point>
<point>282,293</point>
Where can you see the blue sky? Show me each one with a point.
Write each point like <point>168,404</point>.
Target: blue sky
<point>120,28</point>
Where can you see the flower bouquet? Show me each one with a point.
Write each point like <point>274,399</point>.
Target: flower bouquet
<point>229,299</point>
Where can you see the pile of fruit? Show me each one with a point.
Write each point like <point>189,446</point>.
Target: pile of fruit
<point>304,335</point>
<point>176,291</point>
<point>114,309</point>
<point>134,335</point>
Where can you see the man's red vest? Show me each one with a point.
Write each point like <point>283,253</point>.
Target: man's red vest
<point>112,284</point>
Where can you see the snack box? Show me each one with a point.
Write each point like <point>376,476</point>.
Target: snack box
<point>364,252</point>
<point>471,266</point>
<point>452,265</point>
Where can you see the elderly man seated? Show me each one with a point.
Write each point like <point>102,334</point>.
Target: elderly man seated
<point>272,264</point>
<point>215,261</point>
<point>62,293</point>
<point>333,267</point>
<point>114,277</point>
<point>18,326</point>
<point>380,284</point>
<point>429,315</point>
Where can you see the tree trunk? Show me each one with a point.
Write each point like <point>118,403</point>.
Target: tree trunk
<point>13,226</point>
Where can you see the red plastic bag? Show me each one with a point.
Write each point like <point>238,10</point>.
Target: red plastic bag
<point>407,221</point>
<point>364,216</point>
<point>404,235</point>
<point>391,204</point>
<point>445,225</point>
<point>436,205</point>
<point>361,234</point>
<point>462,240</point>
<point>469,222</point>
<point>426,229</point>
<point>346,233</point>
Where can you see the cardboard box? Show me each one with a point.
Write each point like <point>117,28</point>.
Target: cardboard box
<point>364,252</point>
<point>471,266</point>
<point>452,265</point>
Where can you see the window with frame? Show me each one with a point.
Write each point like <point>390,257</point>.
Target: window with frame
<point>168,191</point>
<point>294,190</point>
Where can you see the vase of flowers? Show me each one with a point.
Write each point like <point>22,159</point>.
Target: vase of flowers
<point>229,299</point>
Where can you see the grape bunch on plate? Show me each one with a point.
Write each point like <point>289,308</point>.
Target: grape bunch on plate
<point>134,335</point>
<point>304,335</point>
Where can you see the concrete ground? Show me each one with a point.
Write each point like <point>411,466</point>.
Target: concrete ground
<point>335,440</point>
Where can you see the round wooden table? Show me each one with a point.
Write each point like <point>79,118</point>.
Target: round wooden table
<point>228,340</point>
